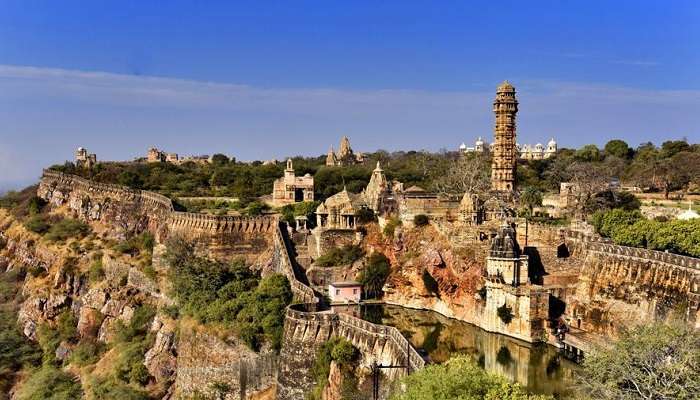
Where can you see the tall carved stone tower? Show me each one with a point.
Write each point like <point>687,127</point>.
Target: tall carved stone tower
<point>504,157</point>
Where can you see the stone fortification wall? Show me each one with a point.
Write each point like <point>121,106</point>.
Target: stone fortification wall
<point>129,211</point>
<point>205,360</point>
<point>306,330</point>
<point>617,285</point>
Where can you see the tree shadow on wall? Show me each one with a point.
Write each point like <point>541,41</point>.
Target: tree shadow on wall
<point>535,266</point>
<point>557,307</point>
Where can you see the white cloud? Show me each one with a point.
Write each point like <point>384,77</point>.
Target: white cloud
<point>46,112</point>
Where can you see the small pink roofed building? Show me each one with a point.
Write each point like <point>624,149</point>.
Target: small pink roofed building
<point>345,292</point>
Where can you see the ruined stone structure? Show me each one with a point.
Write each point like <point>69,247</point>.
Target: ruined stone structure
<point>83,159</point>
<point>344,156</point>
<point>155,155</point>
<point>508,288</point>
<point>291,189</point>
<point>504,161</point>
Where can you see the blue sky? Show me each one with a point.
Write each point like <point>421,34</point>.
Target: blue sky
<point>261,80</point>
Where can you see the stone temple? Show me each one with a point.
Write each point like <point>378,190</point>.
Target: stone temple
<point>344,155</point>
<point>505,156</point>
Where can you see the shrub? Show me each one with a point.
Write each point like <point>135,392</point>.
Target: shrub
<point>129,367</point>
<point>113,389</point>
<point>505,313</point>
<point>365,215</point>
<point>97,271</point>
<point>50,383</point>
<point>38,224</point>
<point>66,229</point>
<point>136,245</point>
<point>374,275</point>
<point>347,254</point>
<point>420,220</point>
<point>390,226</point>
<point>16,351</point>
<point>336,349</point>
<point>87,352</point>
<point>138,325</point>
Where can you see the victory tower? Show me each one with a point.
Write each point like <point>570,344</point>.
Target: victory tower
<point>504,155</point>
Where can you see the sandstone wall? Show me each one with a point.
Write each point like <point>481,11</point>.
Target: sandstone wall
<point>125,212</point>
<point>205,361</point>
<point>305,331</point>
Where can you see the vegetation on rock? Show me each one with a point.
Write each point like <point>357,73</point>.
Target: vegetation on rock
<point>50,383</point>
<point>373,276</point>
<point>345,255</point>
<point>343,353</point>
<point>230,294</point>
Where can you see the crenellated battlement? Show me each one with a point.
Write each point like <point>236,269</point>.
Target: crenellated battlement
<point>175,221</point>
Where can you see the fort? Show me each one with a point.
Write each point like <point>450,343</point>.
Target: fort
<point>559,278</point>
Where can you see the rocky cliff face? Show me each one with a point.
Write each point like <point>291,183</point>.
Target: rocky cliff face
<point>100,291</point>
<point>429,273</point>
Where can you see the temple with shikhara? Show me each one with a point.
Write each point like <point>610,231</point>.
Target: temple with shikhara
<point>505,156</point>
<point>344,155</point>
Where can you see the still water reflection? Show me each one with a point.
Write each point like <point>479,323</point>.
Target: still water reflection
<point>538,367</point>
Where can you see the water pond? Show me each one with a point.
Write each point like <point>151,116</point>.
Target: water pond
<point>540,368</point>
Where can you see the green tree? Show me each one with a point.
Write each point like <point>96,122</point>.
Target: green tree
<point>530,198</point>
<point>653,361</point>
<point>460,378</point>
<point>618,148</point>
<point>588,153</point>
<point>219,159</point>
<point>670,148</point>
<point>374,274</point>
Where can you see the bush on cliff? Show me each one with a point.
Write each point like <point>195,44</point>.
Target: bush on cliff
<point>38,224</point>
<point>421,220</point>
<point>50,383</point>
<point>231,294</point>
<point>374,275</point>
<point>390,227</point>
<point>654,361</point>
<point>338,350</point>
<point>113,389</point>
<point>345,255</point>
<point>66,229</point>
<point>16,351</point>
<point>459,378</point>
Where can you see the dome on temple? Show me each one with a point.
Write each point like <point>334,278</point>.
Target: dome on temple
<point>551,142</point>
<point>463,146</point>
<point>506,87</point>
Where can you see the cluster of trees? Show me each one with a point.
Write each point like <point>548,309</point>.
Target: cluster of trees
<point>630,228</point>
<point>460,378</point>
<point>654,361</point>
<point>247,181</point>
<point>229,294</point>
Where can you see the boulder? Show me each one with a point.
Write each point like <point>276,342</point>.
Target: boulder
<point>63,351</point>
<point>95,298</point>
<point>55,305</point>
<point>160,359</point>
<point>89,322</point>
